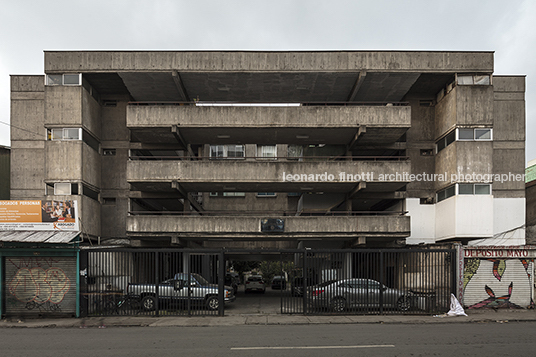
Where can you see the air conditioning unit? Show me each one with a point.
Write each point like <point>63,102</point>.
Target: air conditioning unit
<point>272,225</point>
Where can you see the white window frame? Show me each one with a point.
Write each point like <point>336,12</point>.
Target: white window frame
<point>474,134</point>
<point>49,83</point>
<point>225,151</point>
<point>64,136</point>
<point>262,152</point>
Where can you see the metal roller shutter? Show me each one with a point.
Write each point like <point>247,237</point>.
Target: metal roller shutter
<point>44,286</point>
<point>498,283</point>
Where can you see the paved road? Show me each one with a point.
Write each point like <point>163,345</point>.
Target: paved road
<point>485,339</point>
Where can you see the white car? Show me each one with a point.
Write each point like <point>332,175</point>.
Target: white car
<point>255,283</point>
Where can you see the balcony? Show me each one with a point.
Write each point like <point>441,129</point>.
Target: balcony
<point>328,123</point>
<point>380,174</point>
<point>237,227</point>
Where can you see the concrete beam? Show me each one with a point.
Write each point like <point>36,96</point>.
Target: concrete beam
<point>360,131</point>
<point>187,196</point>
<point>357,85</point>
<point>180,86</point>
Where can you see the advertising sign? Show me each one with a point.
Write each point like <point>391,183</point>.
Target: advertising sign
<point>38,216</point>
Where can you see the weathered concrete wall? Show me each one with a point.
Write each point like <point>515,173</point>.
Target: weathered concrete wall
<point>90,213</point>
<point>27,146</point>
<point>63,106</point>
<point>509,134</point>
<point>474,105</point>
<point>474,157</point>
<point>445,113</point>
<point>285,117</point>
<point>348,225</point>
<point>113,217</point>
<point>91,166</point>
<point>64,160</point>
<point>113,122</point>
<point>257,172</point>
<point>419,61</point>
<point>445,162</point>
<point>91,114</point>
<point>248,203</point>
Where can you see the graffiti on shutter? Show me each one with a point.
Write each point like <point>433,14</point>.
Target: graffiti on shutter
<point>40,286</point>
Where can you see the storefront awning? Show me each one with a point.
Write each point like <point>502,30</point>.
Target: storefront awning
<point>38,236</point>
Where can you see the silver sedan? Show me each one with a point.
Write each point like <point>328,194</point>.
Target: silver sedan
<point>340,295</point>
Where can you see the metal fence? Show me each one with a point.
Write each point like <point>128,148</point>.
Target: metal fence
<point>369,282</point>
<point>192,282</point>
<point>152,282</point>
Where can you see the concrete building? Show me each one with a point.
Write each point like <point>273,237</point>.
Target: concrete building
<point>234,149</point>
<point>4,172</point>
<point>530,187</point>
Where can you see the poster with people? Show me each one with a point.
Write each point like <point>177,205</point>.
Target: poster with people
<point>39,215</point>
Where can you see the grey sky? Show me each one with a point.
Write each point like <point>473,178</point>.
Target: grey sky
<point>506,27</point>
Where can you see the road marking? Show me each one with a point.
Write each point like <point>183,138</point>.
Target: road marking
<point>310,347</point>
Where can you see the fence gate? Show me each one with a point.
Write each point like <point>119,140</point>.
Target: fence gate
<point>152,282</point>
<point>369,281</point>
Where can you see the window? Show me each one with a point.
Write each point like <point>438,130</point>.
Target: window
<point>227,151</point>
<point>108,152</point>
<point>482,189</point>
<point>64,134</point>
<point>74,79</point>
<point>295,152</point>
<point>266,194</point>
<point>266,151</point>
<point>227,194</point>
<point>62,188</point>
<point>446,193</point>
<point>446,140</point>
<point>474,134</point>
<point>477,80</point>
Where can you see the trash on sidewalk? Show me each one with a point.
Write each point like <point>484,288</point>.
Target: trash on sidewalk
<point>456,308</point>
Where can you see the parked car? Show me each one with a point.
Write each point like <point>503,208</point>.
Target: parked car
<point>339,295</point>
<point>231,281</point>
<point>279,283</point>
<point>296,287</point>
<point>255,283</point>
<point>175,291</point>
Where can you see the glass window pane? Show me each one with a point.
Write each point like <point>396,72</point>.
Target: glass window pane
<point>295,151</point>
<point>235,150</point>
<point>482,80</point>
<point>54,79</point>
<point>482,189</point>
<point>216,151</point>
<point>465,188</point>
<point>465,80</point>
<point>441,145</point>
<point>57,134</point>
<point>441,195</point>
<point>71,79</point>
<point>451,137</point>
<point>62,188</point>
<point>465,134</point>
<point>483,134</point>
<point>449,192</point>
<point>71,134</point>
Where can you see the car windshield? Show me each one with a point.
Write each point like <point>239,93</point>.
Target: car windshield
<point>200,279</point>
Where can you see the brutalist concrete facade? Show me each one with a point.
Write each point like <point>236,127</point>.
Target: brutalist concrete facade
<point>275,149</point>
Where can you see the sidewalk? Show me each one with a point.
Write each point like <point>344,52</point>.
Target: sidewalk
<point>479,316</point>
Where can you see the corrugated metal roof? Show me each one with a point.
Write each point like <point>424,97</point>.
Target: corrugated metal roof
<point>38,236</point>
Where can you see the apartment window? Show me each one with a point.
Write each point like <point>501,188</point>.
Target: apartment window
<point>446,193</point>
<point>64,134</point>
<point>446,140</point>
<point>227,151</point>
<point>266,151</point>
<point>108,152</point>
<point>227,194</point>
<point>62,188</point>
<point>295,152</point>
<point>63,79</point>
<point>474,134</point>
<point>266,194</point>
<point>476,80</point>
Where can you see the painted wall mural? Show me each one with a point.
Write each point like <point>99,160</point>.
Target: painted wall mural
<point>39,284</point>
<point>498,283</point>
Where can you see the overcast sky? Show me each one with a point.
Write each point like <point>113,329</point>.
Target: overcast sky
<point>28,27</point>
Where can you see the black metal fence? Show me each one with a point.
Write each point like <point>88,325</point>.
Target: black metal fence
<point>192,282</point>
<point>152,282</point>
<point>369,282</point>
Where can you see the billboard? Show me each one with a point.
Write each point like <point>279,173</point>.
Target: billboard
<point>39,215</point>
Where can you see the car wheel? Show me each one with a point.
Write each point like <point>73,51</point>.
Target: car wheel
<point>213,303</point>
<point>403,303</point>
<point>148,303</point>
<point>338,304</point>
